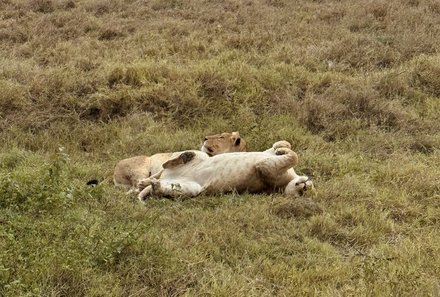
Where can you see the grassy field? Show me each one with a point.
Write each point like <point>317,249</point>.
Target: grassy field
<point>354,85</point>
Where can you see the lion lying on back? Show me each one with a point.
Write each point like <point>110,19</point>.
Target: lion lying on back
<point>129,172</point>
<point>193,172</point>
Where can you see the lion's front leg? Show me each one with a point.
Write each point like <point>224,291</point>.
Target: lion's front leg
<point>274,166</point>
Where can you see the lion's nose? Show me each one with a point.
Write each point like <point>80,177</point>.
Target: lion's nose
<point>206,138</point>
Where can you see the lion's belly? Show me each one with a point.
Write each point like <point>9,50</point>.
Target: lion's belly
<point>231,175</point>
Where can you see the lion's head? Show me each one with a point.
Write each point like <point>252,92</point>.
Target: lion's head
<point>223,143</point>
<point>300,185</point>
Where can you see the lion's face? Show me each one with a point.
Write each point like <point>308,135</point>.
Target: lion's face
<point>223,143</point>
<point>300,186</point>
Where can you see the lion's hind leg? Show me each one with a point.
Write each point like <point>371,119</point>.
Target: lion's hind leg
<point>177,188</point>
<point>145,193</point>
<point>170,189</point>
<point>146,186</point>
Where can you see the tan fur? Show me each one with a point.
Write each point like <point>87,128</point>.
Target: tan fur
<point>130,171</point>
<point>193,172</point>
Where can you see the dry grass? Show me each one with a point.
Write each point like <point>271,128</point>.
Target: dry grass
<point>353,85</point>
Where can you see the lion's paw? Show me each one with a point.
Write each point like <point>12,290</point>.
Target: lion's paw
<point>155,183</point>
<point>145,194</point>
<point>282,151</point>
<point>143,183</point>
<point>281,144</point>
<point>187,156</point>
<point>183,158</point>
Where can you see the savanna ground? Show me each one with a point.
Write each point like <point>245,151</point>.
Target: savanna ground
<point>354,85</point>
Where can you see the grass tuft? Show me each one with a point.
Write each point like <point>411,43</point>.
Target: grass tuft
<point>297,208</point>
<point>43,6</point>
<point>426,75</point>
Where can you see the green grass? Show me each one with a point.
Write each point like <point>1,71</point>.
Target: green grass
<point>355,86</point>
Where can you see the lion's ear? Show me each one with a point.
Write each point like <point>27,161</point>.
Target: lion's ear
<point>237,141</point>
<point>236,138</point>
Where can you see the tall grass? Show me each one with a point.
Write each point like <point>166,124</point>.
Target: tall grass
<point>353,85</point>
